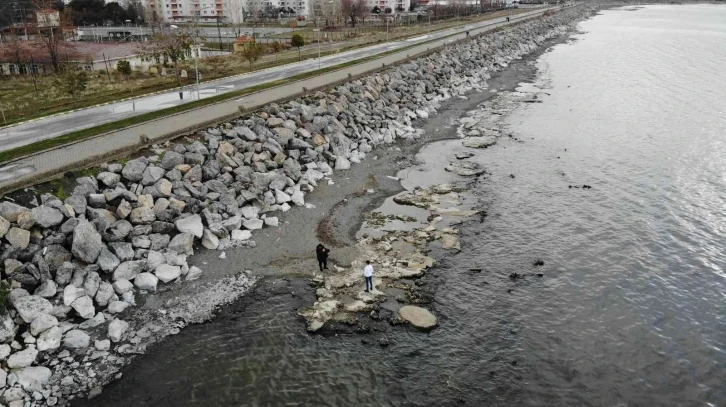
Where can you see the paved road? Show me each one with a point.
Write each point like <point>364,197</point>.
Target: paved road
<point>54,126</point>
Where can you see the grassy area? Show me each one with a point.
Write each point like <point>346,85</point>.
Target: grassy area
<point>20,101</point>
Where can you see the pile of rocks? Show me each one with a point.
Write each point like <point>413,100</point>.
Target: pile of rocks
<point>398,253</point>
<point>74,264</point>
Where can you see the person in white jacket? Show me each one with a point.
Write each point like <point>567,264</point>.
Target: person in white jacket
<point>368,274</point>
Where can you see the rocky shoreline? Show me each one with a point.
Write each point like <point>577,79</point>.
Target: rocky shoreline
<point>75,265</point>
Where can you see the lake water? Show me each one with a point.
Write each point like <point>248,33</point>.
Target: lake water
<point>631,307</point>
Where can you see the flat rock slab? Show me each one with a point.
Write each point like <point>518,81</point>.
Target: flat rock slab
<point>479,142</point>
<point>419,317</point>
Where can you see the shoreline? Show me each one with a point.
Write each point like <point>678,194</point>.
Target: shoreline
<point>338,225</point>
<point>174,306</point>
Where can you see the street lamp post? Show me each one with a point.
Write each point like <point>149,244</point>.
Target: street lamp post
<point>196,68</point>
<point>219,33</point>
<point>317,30</point>
<point>386,28</point>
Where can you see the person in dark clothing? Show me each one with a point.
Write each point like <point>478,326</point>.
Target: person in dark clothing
<point>322,253</point>
<point>507,19</point>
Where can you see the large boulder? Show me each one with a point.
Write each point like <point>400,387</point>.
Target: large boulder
<point>122,285</point>
<point>171,159</point>
<point>240,235</point>
<point>182,243</point>
<point>55,255</point>
<point>42,323</point>
<point>11,211</point>
<point>30,306</point>
<point>34,378</point>
<point>4,227</point>
<point>134,170</point>
<point>25,357</point>
<point>194,273</point>
<point>64,274</point>
<point>72,293</point>
<point>109,178</point>
<point>91,283</point>
<point>210,240</point>
<point>146,281</point>
<point>84,307</point>
<point>167,273</point>
<point>129,269</point>
<point>116,329</point>
<point>47,289</point>
<point>8,329</point>
<point>465,168</point>
<point>191,224</point>
<point>151,175</point>
<point>50,339</point>
<point>76,339</point>
<point>104,294</point>
<point>342,163</point>
<point>479,142</point>
<point>18,237</point>
<point>46,216</point>
<point>418,317</point>
<point>107,261</point>
<point>78,203</point>
<point>253,224</point>
<point>123,250</point>
<point>87,242</point>
<point>142,215</point>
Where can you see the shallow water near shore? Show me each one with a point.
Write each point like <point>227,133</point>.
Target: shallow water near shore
<point>630,306</point>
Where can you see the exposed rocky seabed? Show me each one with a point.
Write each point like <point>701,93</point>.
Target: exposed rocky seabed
<point>76,268</point>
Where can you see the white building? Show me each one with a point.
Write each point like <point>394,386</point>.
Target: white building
<point>395,5</point>
<point>256,7</point>
<point>190,10</point>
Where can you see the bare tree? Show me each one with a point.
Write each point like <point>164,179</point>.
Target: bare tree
<point>253,10</point>
<point>173,47</point>
<point>353,10</point>
<point>252,52</point>
<point>361,10</point>
<point>328,11</point>
<point>53,34</point>
<point>23,53</point>
<point>234,10</point>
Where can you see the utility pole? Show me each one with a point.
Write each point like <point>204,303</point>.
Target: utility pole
<point>219,33</point>
<point>318,31</point>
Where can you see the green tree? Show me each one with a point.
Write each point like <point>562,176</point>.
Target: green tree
<point>252,52</point>
<point>71,80</point>
<point>124,67</point>
<point>297,42</point>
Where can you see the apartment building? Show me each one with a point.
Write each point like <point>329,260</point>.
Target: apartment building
<point>189,10</point>
<point>394,5</point>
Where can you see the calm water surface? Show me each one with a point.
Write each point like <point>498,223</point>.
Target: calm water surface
<point>631,307</point>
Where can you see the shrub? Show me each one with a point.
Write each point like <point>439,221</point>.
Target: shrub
<point>124,67</point>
